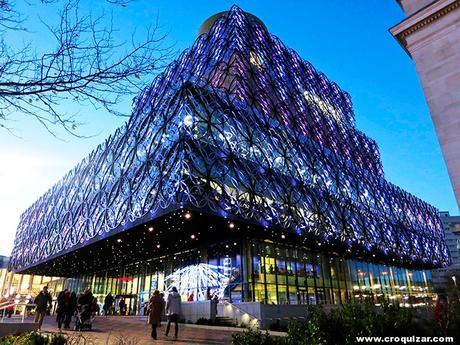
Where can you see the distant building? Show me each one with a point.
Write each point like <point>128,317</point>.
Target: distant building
<point>442,278</point>
<point>431,36</point>
<point>4,260</point>
<point>3,272</point>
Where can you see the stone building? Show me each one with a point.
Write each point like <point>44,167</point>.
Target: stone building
<point>431,36</point>
<point>447,277</point>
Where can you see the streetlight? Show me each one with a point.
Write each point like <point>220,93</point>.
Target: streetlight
<point>455,280</point>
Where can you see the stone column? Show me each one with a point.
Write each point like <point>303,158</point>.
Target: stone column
<point>431,36</point>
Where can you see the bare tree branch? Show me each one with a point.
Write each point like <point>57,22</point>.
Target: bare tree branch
<point>87,66</point>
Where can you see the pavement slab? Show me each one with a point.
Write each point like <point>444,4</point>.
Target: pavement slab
<point>116,330</point>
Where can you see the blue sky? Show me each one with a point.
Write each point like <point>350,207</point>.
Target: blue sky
<point>347,40</point>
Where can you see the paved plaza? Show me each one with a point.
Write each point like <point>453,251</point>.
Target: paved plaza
<point>109,330</point>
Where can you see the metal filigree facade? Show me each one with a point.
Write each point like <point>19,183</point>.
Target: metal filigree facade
<point>240,126</point>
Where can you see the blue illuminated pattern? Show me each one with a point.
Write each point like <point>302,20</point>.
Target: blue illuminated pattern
<point>238,126</point>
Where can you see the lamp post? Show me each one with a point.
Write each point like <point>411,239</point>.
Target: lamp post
<point>455,280</point>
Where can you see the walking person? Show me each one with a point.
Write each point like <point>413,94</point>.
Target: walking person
<point>155,308</point>
<point>108,304</point>
<point>84,311</point>
<point>122,306</point>
<point>95,310</point>
<point>70,301</point>
<point>43,301</point>
<point>60,309</point>
<point>162,295</point>
<point>173,304</point>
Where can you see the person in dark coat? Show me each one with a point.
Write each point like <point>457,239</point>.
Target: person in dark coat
<point>43,301</point>
<point>214,302</point>
<point>156,306</point>
<point>86,298</point>
<point>108,304</point>
<point>95,307</point>
<point>70,301</point>
<point>84,303</point>
<point>60,310</point>
<point>122,306</point>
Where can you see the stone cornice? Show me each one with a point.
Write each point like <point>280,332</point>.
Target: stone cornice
<point>422,18</point>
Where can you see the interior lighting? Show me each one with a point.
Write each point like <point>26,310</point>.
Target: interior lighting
<point>188,120</point>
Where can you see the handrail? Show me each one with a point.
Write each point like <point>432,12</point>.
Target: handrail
<point>15,305</point>
<point>9,304</point>
<point>252,317</point>
<point>4,303</point>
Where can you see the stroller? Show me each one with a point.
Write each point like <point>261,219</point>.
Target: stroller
<point>84,319</point>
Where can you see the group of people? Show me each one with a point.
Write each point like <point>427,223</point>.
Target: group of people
<point>171,308</point>
<point>109,305</point>
<point>67,304</point>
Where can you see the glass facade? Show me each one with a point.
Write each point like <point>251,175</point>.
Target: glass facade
<point>22,287</point>
<point>289,275</point>
<point>246,271</point>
